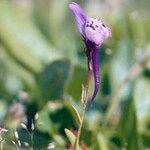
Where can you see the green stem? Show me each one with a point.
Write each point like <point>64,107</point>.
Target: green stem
<point>76,147</point>
<point>85,99</point>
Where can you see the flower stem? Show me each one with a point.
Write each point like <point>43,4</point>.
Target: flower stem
<point>79,131</point>
<point>84,104</point>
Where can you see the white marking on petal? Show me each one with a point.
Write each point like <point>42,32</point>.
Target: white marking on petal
<point>96,31</point>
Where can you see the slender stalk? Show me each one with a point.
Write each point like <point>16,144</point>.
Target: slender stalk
<point>85,99</point>
<point>79,130</point>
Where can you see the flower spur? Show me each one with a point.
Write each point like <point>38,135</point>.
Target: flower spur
<point>94,33</point>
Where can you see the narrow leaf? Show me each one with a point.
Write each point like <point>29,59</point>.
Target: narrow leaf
<point>71,137</point>
<point>128,126</point>
<point>77,115</point>
<point>102,142</point>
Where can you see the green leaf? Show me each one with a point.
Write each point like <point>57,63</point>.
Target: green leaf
<point>71,137</point>
<point>62,117</point>
<point>128,126</point>
<point>44,124</point>
<point>102,142</point>
<point>79,77</point>
<point>77,115</point>
<point>59,140</point>
<point>146,139</point>
<point>55,117</point>
<point>53,78</point>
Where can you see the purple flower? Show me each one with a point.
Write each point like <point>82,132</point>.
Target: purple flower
<point>94,33</point>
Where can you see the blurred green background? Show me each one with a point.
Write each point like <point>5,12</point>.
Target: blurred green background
<point>42,68</point>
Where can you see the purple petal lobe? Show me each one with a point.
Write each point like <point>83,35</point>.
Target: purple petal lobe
<point>80,16</point>
<point>95,62</point>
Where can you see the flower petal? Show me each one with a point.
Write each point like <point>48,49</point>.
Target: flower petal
<point>79,14</point>
<point>95,62</point>
<point>96,31</point>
